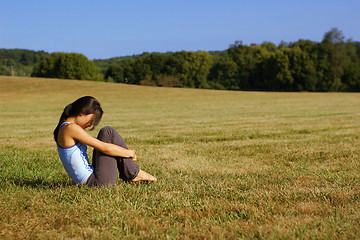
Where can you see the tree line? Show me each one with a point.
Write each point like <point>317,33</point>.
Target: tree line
<point>19,62</point>
<point>330,65</point>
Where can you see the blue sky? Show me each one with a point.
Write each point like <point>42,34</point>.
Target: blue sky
<point>112,28</point>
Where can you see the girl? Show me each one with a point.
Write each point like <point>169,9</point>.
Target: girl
<point>111,155</point>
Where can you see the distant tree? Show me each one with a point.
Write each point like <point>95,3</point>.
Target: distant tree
<point>334,36</point>
<point>302,68</point>
<point>191,68</point>
<point>156,62</point>
<point>269,46</point>
<point>351,67</point>
<point>240,75</point>
<point>20,59</point>
<point>330,61</point>
<point>7,66</point>
<point>357,46</point>
<point>351,76</point>
<point>276,71</point>
<point>65,66</point>
<point>223,75</point>
<point>201,63</point>
<point>115,72</point>
<point>251,67</point>
<point>129,75</point>
<point>141,70</point>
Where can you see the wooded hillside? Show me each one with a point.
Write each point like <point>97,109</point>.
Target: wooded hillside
<point>330,65</point>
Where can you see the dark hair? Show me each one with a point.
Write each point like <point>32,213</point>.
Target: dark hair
<point>85,105</point>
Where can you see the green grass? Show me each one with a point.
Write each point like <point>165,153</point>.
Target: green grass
<point>230,164</point>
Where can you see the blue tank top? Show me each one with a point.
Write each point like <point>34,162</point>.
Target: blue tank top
<point>75,161</point>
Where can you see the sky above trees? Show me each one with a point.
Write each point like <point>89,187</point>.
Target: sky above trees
<point>111,28</point>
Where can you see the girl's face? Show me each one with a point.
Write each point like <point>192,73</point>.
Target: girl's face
<point>85,120</point>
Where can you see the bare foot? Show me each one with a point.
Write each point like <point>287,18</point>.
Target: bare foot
<point>144,176</point>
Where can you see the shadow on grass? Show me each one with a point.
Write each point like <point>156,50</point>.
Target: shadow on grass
<point>36,182</point>
<point>50,184</point>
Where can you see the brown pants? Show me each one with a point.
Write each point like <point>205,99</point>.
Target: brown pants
<point>107,168</point>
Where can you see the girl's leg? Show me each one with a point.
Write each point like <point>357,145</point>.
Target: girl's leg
<point>107,168</point>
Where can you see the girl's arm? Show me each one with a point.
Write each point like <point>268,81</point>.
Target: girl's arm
<point>77,133</point>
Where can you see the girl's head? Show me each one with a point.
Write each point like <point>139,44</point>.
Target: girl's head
<point>84,105</point>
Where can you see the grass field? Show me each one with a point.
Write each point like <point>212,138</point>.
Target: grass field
<point>230,165</point>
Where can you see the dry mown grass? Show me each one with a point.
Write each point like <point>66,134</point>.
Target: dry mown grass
<point>230,164</point>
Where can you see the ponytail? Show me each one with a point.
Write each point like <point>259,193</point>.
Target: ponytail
<point>85,105</point>
<point>65,115</point>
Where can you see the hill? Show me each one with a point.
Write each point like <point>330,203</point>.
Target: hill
<point>329,66</point>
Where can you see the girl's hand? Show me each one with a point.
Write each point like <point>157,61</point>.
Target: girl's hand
<point>133,155</point>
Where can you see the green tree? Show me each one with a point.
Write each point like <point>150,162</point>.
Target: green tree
<point>201,63</point>
<point>191,68</point>
<point>156,62</point>
<point>224,74</point>
<point>115,72</point>
<point>65,66</point>
<point>330,61</point>
<point>247,59</point>
<point>334,36</point>
<point>302,68</point>
<point>141,70</point>
<point>276,71</point>
<point>269,46</point>
<point>351,67</point>
<point>19,62</point>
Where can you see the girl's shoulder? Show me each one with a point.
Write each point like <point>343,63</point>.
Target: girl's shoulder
<point>72,129</point>
<point>71,126</point>
<point>67,133</point>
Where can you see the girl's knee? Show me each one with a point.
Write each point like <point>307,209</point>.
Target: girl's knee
<point>107,128</point>
<point>110,135</point>
<point>106,132</point>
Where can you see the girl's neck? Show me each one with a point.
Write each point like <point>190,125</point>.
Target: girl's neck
<point>70,120</point>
